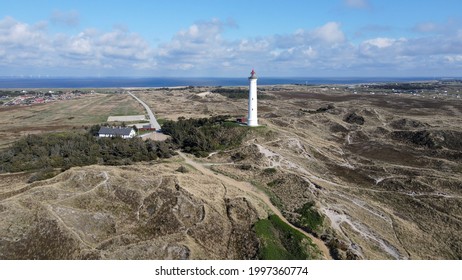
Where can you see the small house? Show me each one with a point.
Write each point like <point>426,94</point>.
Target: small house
<point>124,132</point>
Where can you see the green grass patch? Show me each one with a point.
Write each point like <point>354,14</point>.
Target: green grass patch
<point>310,219</point>
<point>231,124</point>
<point>271,248</point>
<point>161,121</point>
<point>270,171</point>
<point>279,241</point>
<point>143,132</point>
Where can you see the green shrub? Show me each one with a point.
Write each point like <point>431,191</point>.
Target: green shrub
<point>276,182</point>
<point>182,169</point>
<point>43,174</point>
<point>202,136</point>
<point>310,219</point>
<point>270,171</point>
<point>67,149</point>
<point>240,93</point>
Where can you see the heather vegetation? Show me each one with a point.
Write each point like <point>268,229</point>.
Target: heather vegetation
<point>204,135</point>
<point>67,149</point>
<point>310,220</point>
<point>233,93</point>
<point>240,93</point>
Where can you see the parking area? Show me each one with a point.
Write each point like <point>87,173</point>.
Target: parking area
<point>134,118</point>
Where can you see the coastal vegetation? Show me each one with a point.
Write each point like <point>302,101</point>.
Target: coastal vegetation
<point>64,150</point>
<point>279,241</point>
<point>46,152</point>
<point>239,93</point>
<point>204,135</point>
<point>310,220</point>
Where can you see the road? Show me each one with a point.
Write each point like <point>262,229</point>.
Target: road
<point>152,118</point>
<point>250,189</point>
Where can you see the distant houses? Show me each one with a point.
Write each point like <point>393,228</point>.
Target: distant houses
<point>124,132</point>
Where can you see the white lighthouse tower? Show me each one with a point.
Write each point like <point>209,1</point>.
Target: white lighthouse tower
<point>252,119</point>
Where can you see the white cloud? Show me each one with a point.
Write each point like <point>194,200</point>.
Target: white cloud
<point>330,33</point>
<point>380,42</point>
<point>198,47</point>
<point>123,45</point>
<point>454,58</point>
<point>23,43</point>
<point>201,32</point>
<point>31,46</point>
<point>202,49</point>
<point>310,52</point>
<point>80,44</point>
<point>17,33</point>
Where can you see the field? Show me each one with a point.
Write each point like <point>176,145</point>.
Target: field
<point>87,110</point>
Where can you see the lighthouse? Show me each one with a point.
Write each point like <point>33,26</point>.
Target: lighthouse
<point>252,119</point>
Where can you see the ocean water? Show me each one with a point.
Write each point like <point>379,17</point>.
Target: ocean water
<point>118,82</point>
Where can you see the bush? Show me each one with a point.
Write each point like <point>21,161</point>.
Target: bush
<point>202,136</point>
<point>182,169</point>
<point>354,118</point>
<point>245,167</point>
<point>240,93</point>
<point>310,220</point>
<point>43,174</point>
<point>67,149</point>
<point>270,171</point>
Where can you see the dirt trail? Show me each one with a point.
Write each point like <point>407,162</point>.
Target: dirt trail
<point>250,189</point>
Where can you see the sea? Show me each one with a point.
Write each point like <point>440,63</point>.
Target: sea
<point>155,82</point>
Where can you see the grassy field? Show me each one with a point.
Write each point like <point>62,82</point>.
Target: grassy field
<point>281,242</point>
<point>63,115</point>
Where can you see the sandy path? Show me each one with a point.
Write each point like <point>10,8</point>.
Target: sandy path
<point>250,189</point>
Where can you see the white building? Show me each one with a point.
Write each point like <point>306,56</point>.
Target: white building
<point>124,132</point>
<point>252,119</point>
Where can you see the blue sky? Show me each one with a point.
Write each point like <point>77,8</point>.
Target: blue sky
<point>337,38</point>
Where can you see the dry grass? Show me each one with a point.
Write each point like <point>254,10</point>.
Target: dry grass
<point>62,115</point>
<point>144,211</point>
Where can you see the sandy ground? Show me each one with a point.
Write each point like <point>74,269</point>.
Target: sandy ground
<point>156,136</point>
<point>252,190</point>
<point>135,118</point>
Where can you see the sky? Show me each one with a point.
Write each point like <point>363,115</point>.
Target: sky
<point>205,38</point>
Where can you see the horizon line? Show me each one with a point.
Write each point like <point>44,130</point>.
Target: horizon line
<point>228,77</point>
